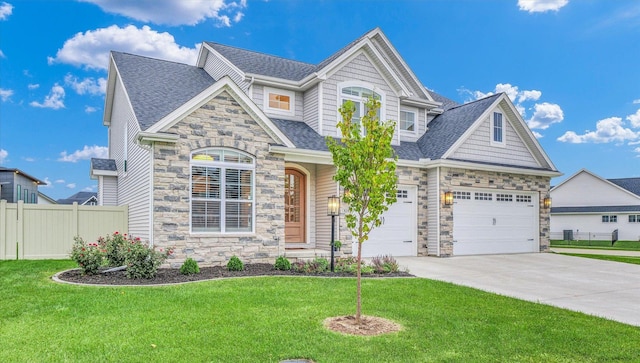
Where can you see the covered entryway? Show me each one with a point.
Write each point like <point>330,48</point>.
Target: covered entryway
<point>492,222</point>
<point>294,206</point>
<point>397,236</point>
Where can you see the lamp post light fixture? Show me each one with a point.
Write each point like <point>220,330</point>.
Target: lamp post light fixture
<point>333,210</point>
<point>448,198</point>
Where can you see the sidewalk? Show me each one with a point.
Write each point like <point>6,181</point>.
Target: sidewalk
<point>588,251</point>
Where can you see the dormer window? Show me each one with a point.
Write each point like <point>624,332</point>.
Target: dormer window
<point>497,129</point>
<point>279,101</point>
<point>408,120</point>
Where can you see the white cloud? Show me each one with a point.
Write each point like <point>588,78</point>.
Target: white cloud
<point>54,100</point>
<point>47,182</point>
<point>33,86</point>
<point>88,85</point>
<point>5,10</point>
<point>532,95</point>
<point>29,159</point>
<point>3,155</point>
<point>5,94</point>
<point>2,54</point>
<point>71,185</point>
<point>171,12</point>
<point>537,135</point>
<point>90,109</point>
<point>541,6</point>
<point>634,119</point>
<point>90,188</point>
<point>544,115</point>
<point>59,181</point>
<point>91,49</point>
<point>608,130</point>
<point>636,102</point>
<point>88,152</point>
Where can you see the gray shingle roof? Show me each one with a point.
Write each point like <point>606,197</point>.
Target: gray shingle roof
<point>157,87</point>
<point>630,184</point>
<point>447,128</point>
<point>103,164</point>
<point>264,64</point>
<point>79,197</point>
<point>446,102</point>
<point>597,209</point>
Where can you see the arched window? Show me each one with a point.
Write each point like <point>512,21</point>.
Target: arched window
<point>358,94</point>
<point>222,191</point>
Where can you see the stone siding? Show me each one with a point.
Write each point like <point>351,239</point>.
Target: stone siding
<point>221,122</point>
<point>451,178</point>
<point>418,177</point>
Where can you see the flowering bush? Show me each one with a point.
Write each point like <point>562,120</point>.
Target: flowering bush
<point>142,260</point>
<point>88,256</point>
<point>115,248</point>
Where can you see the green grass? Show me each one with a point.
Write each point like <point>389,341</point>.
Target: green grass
<point>626,259</point>
<point>601,245</point>
<point>273,318</point>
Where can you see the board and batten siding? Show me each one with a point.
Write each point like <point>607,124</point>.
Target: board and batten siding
<point>359,69</point>
<point>311,104</point>
<point>258,95</point>
<point>134,184</point>
<point>217,68</point>
<point>478,147</point>
<point>433,198</point>
<point>325,187</point>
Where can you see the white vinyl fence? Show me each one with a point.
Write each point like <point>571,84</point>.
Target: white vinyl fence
<point>46,231</point>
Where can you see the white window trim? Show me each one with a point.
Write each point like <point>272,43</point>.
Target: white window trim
<point>415,120</point>
<point>504,129</point>
<point>225,165</point>
<point>341,97</point>
<point>277,91</point>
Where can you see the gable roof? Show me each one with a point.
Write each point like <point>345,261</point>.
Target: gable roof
<point>630,184</point>
<point>80,198</point>
<point>164,87</point>
<point>18,171</point>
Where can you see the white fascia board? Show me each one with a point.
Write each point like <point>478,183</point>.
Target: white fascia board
<point>103,173</point>
<point>111,89</point>
<point>419,103</point>
<point>601,179</point>
<point>488,167</point>
<point>151,137</point>
<point>390,70</point>
<point>225,60</point>
<point>574,175</point>
<point>325,158</point>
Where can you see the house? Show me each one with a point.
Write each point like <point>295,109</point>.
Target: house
<point>228,157</point>
<point>16,185</point>
<point>82,198</point>
<point>589,207</point>
<point>45,199</point>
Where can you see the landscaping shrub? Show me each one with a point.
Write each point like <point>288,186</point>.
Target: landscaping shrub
<point>88,256</point>
<point>282,263</point>
<point>384,264</point>
<point>142,260</point>
<point>346,264</point>
<point>189,267</point>
<point>115,247</point>
<point>316,266</point>
<point>235,264</point>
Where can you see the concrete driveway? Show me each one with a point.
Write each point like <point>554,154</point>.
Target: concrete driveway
<point>602,288</point>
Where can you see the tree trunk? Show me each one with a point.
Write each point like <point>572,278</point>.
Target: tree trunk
<point>358,289</point>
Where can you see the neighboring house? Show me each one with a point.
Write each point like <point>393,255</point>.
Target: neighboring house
<point>82,198</point>
<point>16,185</point>
<point>228,157</point>
<point>586,206</point>
<point>45,199</point>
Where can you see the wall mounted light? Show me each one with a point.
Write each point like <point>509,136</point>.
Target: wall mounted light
<point>547,202</point>
<point>448,198</point>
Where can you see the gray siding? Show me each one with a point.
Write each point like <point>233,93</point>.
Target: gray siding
<point>6,183</point>
<point>478,147</point>
<point>258,95</point>
<point>311,103</point>
<point>432,212</point>
<point>133,185</point>
<point>109,191</point>
<point>325,187</point>
<point>217,69</point>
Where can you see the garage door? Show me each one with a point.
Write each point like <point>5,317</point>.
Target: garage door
<point>397,236</point>
<point>487,222</point>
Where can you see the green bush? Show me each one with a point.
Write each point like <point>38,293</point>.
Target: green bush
<point>316,266</point>
<point>142,260</point>
<point>189,267</point>
<point>88,256</point>
<point>282,263</point>
<point>115,246</point>
<point>384,264</point>
<point>235,264</point>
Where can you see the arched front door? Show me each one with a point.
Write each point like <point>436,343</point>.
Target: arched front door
<point>294,206</point>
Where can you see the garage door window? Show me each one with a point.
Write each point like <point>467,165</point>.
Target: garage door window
<point>523,199</point>
<point>504,197</point>
<point>462,195</point>
<point>483,196</point>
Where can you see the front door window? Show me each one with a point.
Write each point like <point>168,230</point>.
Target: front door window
<point>294,206</point>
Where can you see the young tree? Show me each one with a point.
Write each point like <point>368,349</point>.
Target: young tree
<point>366,169</point>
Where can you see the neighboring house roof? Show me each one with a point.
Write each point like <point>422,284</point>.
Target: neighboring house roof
<point>164,87</point>
<point>596,209</point>
<point>103,164</point>
<point>630,184</point>
<point>447,128</point>
<point>18,171</point>
<point>80,198</point>
<point>41,196</point>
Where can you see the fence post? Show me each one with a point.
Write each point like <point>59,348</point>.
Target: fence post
<point>74,220</point>
<point>3,229</point>
<point>20,230</point>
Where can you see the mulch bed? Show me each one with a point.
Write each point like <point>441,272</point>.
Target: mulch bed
<point>173,276</point>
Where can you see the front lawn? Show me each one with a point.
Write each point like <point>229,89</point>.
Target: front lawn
<point>626,259</point>
<point>268,319</point>
<point>601,245</point>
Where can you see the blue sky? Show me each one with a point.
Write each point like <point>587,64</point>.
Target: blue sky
<point>571,66</point>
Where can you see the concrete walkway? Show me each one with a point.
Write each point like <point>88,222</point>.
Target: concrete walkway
<point>601,288</point>
<point>589,251</point>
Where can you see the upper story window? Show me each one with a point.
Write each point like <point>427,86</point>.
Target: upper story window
<point>279,101</point>
<point>610,219</point>
<point>497,129</point>
<point>408,120</point>
<point>359,95</point>
<point>222,191</point>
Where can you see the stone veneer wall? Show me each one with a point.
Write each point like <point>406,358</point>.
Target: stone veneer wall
<point>222,122</point>
<point>418,177</point>
<point>452,178</point>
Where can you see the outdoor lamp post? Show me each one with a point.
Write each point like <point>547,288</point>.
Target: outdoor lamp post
<point>333,210</point>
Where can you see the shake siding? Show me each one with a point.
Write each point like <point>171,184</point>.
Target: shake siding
<point>217,69</point>
<point>325,187</point>
<point>358,69</point>
<point>258,94</point>
<point>478,148</point>
<point>432,212</point>
<point>397,66</point>
<point>133,186</point>
<point>311,102</point>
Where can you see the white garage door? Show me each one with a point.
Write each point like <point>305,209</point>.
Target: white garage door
<point>397,236</point>
<point>487,222</point>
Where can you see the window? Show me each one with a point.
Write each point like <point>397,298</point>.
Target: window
<point>483,196</point>
<point>359,96</point>
<point>279,101</point>
<point>222,191</point>
<point>408,120</point>
<point>18,192</point>
<point>504,197</point>
<point>497,129</point>
<point>634,218</point>
<point>523,199</point>
<point>609,219</point>
<point>462,195</point>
